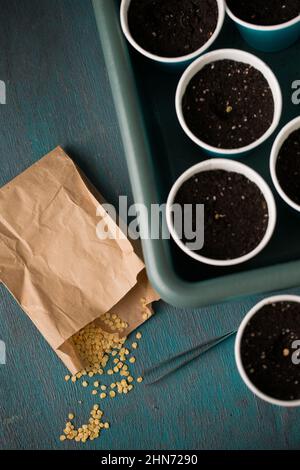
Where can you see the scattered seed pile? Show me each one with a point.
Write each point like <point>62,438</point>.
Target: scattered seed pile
<point>228,104</point>
<point>265,13</point>
<point>106,356</point>
<point>288,166</point>
<point>267,350</point>
<point>172,28</point>
<point>235,212</point>
<point>88,431</point>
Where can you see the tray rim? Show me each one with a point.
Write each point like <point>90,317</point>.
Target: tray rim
<point>168,284</point>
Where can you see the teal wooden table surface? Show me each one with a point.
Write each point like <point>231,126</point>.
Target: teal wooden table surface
<point>58,94</point>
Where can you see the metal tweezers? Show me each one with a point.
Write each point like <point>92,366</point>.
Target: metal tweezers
<point>160,371</point>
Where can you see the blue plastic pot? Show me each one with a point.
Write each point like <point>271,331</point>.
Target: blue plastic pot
<point>268,38</point>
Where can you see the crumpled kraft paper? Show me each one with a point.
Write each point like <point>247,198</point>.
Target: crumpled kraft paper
<point>54,264</point>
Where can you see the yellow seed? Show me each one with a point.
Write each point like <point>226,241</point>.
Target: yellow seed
<point>102,396</point>
<point>62,438</point>
<point>139,380</point>
<point>94,392</point>
<point>134,345</point>
<point>103,387</point>
<point>286,352</point>
<point>112,394</point>
<point>71,416</point>
<point>95,347</point>
<point>113,385</point>
<point>130,387</point>
<point>229,109</point>
<point>73,378</point>
<point>132,360</point>
<point>96,407</point>
<point>138,335</point>
<point>67,377</point>
<point>106,425</point>
<point>130,379</point>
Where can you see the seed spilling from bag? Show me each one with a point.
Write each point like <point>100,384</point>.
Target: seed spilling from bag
<point>96,347</point>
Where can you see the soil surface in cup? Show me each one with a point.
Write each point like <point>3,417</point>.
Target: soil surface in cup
<point>235,213</point>
<point>265,13</point>
<point>288,166</point>
<point>172,28</point>
<point>268,352</point>
<point>228,104</point>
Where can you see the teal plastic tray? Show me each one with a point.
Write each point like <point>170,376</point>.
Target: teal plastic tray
<point>157,152</point>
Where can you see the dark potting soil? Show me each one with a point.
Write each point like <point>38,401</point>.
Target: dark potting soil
<point>265,13</point>
<point>172,28</point>
<point>228,104</point>
<point>288,166</point>
<point>235,212</point>
<point>267,350</point>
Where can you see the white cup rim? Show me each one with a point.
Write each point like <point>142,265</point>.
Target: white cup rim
<point>239,56</point>
<point>227,165</point>
<point>237,350</point>
<point>279,141</point>
<point>170,60</point>
<point>257,27</point>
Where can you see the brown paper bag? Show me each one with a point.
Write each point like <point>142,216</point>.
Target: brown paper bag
<point>51,260</point>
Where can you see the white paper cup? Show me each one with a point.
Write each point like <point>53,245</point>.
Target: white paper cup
<point>238,56</point>
<point>238,357</point>
<point>230,166</point>
<point>170,60</point>
<point>281,138</point>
